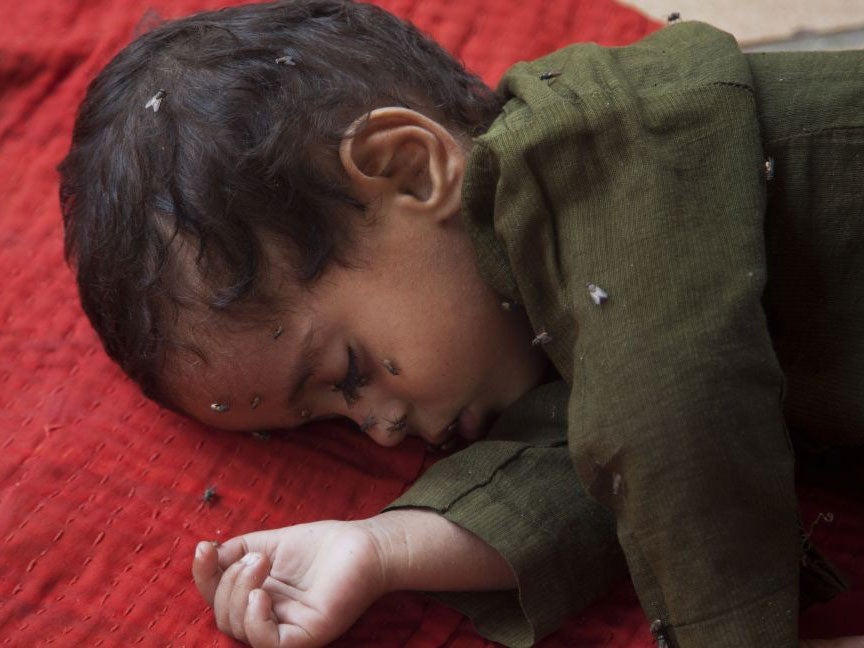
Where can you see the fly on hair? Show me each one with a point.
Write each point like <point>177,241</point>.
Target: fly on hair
<point>288,58</point>
<point>156,100</point>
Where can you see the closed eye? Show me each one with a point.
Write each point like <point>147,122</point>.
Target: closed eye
<point>352,381</point>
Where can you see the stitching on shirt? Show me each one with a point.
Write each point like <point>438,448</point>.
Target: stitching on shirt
<point>492,475</point>
<point>577,102</point>
<point>734,84</point>
<point>810,133</point>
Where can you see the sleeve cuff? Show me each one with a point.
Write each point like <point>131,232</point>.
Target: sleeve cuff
<point>564,555</point>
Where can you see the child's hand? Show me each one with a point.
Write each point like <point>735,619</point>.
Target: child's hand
<point>299,586</point>
<point>309,583</point>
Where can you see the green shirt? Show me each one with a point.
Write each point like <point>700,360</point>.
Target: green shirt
<point>714,198</point>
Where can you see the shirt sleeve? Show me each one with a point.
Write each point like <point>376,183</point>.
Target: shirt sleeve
<point>630,194</point>
<point>697,467</point>
<point>680,379</point>
<point>675,419</point>
<point>518,491</point>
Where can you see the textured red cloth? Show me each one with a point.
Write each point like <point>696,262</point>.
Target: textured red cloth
<point>101,491</point>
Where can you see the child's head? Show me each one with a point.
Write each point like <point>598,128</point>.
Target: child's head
<point>269,195</point>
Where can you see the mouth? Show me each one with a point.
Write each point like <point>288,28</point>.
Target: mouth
<point>466,425</point>
<point>469,425</point>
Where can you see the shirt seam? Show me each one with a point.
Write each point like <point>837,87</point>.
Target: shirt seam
<point>570,102</point>
<point>495,472</point>
<point>811,133</point>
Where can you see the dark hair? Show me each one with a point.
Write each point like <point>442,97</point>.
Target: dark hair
<point>219,131</point>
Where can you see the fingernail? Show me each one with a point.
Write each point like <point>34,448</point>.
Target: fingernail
<point>250,559</point>
<point>253,596</point>
<point>200,548</point>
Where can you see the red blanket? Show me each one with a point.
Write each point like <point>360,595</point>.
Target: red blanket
<point>102,491</point>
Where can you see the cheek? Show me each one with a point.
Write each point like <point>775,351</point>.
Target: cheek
<point>442,363</point>
<point>441,341</point>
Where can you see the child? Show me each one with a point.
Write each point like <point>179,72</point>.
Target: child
<point>285,212</point>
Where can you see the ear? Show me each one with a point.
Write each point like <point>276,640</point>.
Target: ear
<point>404,160</point>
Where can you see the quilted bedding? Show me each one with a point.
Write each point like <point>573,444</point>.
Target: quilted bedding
<point>101,491</point>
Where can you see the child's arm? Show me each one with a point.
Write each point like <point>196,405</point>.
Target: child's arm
<point>516,491</point>
<point>312,581</point>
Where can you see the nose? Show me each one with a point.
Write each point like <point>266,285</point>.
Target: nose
<point>387,431</point>
<point>387,424</point>
<point>379,413</point>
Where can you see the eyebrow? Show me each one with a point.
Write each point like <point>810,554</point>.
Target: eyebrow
<point>305,367</point>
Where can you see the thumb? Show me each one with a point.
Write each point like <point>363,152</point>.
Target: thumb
<point>262,542</point>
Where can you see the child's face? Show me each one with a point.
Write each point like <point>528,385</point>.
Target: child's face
<point>408,341</point>
<point>413,334</point>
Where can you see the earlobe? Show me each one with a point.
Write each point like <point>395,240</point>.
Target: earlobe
<point>406,161</point>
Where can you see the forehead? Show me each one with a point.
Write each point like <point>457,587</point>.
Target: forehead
<point>208,323</point>
<point>213,344</point>
<point>212,353</point>
<point>231,365</point>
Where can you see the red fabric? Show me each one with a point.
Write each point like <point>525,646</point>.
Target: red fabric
<point>100,490</point>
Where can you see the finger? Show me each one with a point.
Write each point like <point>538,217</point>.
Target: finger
<point>262,630</point>
<point>224,599</point>
<point>205,570</point>
<point>260,626</point>
<point>252,574</point>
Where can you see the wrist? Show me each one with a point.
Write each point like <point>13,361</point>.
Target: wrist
<point>422,550</point>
